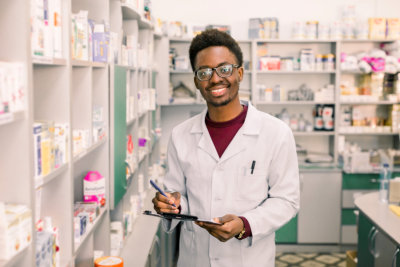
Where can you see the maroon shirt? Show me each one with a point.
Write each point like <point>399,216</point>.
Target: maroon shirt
<point>222,134</point>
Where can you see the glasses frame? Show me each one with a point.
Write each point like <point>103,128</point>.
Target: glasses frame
<point>215,69</point>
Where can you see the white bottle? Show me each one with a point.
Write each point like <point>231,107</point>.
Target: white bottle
<point>385,176</point>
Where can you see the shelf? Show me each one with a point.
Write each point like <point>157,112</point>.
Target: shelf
<point>295,103</point>
<point>141,115</point>
<point>130,122</point>
<point>142,157</point>
<point>180,72</point>
<point>129,12</point>
<point>85,63</point>
<point>314,133</point>
<point>43,61</point>
<point>158,35</point>
<point>358,72</point>
<point>11,117</point>
<point>372,133</point>
<point>87,151</point>
<point>180,40</point>
<point>385,102</point>
<point>89,230</point>
<point>40,181</point>
<point>145,23</point>
<point>368,41</point>
<point>13,261</point>
<point>294,72</point>
<point>293,41</point>
<point>183,104</point>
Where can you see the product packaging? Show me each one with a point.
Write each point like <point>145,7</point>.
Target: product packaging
<point>94,188</point>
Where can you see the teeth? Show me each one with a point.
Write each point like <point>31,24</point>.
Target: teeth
<point>218,90</point>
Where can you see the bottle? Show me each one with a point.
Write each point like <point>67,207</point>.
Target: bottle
<point>385,176</point>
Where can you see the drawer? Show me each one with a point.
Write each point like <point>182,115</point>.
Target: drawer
<point>360,181</point>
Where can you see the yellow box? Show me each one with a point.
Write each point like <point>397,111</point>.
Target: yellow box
<point>351,258</point>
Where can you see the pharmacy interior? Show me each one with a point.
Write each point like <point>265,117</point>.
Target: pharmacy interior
<point>90,91</point>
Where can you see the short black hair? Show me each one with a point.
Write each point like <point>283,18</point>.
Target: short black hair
<point>213,37</point>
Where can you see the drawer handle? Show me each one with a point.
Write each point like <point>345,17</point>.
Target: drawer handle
<point>375,181</point>
<point>394,259</point>
<point>371,242</point>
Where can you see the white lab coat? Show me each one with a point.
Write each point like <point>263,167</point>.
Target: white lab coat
<point>212,187</point>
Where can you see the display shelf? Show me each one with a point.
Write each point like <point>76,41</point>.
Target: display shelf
<point>368,41</point>
<point>183,104</point>
<point>180,40</point>
<point>293,72</point>
<point>145,23</point>
<point>369,133</point>
<point>89,230</point>
<point>131,122</point>
<point>383,102</point>
<point>141,115</point>
<point>294,103</point>
<point>85,63</point>
<point>49,61</point>
<point>314,133</point>
<point>13,260</point>
<point>142,156</point>
<point>129,12</point>
<point>294,41</point>
<point>11,117</point>
<point>41,181</point>
<point>89,150</point>
<point>181,72</point>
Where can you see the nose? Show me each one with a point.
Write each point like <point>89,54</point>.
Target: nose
<point>215,78</point>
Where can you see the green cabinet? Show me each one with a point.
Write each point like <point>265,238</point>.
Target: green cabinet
<point>375,249</point>
<point>287,234</point>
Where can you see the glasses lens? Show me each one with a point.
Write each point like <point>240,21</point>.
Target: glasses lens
<point>204,74</point>
<point>224,71</point>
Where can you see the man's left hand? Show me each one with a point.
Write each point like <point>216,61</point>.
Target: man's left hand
<point>231,226</point>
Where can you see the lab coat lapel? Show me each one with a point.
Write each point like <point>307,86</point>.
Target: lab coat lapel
<point>245,135</point>
<point>205,143</point>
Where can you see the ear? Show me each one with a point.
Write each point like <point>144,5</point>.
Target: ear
<point>240,72</point>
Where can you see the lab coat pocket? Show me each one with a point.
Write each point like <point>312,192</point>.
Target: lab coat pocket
<point>252,185</point>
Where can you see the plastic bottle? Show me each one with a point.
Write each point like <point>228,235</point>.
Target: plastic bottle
<point>385,176</point>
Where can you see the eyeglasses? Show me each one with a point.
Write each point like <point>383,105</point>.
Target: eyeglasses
<point>222,71</point>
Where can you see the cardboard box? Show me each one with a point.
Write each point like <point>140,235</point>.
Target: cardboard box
<point>351,258</point>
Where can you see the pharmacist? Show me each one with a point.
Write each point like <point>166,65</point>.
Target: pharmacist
<point>232,163</point>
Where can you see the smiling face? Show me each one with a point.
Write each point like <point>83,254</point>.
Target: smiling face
<point>218,91</point>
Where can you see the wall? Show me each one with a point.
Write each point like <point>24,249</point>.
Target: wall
<point>237,13</point>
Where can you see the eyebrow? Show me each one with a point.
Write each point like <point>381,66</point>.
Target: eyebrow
<point>219,65</point>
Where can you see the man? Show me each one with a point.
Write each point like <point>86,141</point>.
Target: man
<point>232,163</point>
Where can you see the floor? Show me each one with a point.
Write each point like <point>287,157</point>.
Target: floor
<point>310,260</point>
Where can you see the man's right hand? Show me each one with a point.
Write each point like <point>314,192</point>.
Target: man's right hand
<point>163,204</point>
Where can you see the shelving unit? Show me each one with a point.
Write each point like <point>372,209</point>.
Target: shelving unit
<point>66,91</point>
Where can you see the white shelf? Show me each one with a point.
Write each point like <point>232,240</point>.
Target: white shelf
<point>40,181</point>
<point>142,157</point>
<point>314,133</point>
<point>369,103</point>
<point>295,103</point>
<point>181,72</point>
<point>89,150</point>
<point>130,122</point>
<point>11,117</point>
<point>13,260</point>
<point>182,104</point>
<point>89,230</point>
<point>371,133</point>
<point>129,12</point>
<point>368,41</point>
<point>293,41</point>
<point>141,115</point>
<point>145,23</point>
<point>294,72</point>
<point>85,63</point>
<point>43,61</point>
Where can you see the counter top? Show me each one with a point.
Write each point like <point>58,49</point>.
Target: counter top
<point>380,214</point>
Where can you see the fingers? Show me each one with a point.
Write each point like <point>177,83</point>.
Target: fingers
<point>163,204</point>
<point>232,225</point>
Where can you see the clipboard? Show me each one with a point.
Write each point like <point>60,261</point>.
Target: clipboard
<point>180,217</point>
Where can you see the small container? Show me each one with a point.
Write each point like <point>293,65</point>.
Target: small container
<point>328,62</point>
<point>319,62</point>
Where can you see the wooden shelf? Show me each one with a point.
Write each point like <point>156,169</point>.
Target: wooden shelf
<point>41,181</point>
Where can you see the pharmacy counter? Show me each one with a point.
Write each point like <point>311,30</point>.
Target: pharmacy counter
<point>378,233</point>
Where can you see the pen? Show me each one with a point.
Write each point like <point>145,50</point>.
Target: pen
<point>159,190</point>
<point>253,164</point>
